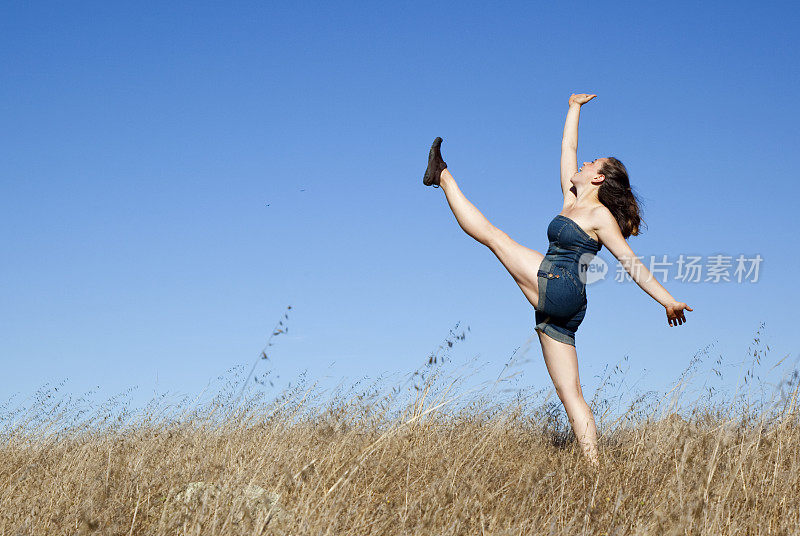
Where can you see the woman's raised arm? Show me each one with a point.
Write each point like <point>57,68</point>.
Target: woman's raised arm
<point>569,143</point>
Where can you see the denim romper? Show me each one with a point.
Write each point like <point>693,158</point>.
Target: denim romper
<point>562,291</point>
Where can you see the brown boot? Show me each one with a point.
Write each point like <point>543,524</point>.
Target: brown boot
<point>435,165</point>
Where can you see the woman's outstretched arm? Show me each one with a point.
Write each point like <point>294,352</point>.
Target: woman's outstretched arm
<point>611,236</point>
<point>569,143</point>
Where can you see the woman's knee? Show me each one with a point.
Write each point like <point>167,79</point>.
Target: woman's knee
<point>493,238</point>
<point>570,393</point>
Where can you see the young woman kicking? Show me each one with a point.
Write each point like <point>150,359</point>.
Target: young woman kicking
<point>599,209</point>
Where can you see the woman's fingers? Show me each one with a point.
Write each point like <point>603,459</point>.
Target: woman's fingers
<point>676,317</point>
<point>683,315</point>
<point>581,98</point>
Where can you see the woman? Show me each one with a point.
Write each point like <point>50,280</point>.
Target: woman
<point>599,209</point>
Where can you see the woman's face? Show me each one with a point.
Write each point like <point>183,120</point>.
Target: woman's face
<point>588,171</point>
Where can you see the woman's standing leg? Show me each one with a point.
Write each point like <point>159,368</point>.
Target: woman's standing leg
<point>521,262</point>
<point>561,360</point>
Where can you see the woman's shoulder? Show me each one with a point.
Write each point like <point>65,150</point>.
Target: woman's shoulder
<point>593,218</point>
<point>600,216</point>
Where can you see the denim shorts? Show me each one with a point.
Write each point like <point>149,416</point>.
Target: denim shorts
<point>562,301</point>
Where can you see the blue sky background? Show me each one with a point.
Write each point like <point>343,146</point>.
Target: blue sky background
<point>174,176</point>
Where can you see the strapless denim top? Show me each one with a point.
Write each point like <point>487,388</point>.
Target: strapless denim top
<point>568,243</point>
<point>562,291</point>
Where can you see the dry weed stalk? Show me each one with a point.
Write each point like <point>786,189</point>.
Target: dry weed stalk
<point>432,457</point>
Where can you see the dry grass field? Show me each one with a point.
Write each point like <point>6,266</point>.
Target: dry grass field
<point>429,456</point>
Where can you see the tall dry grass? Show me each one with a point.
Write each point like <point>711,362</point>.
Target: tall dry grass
<point>430,455</point>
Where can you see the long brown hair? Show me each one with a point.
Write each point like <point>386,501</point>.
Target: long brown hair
<point>616,194</point>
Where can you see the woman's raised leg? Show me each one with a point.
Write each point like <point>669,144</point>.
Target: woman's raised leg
<point>522,263</point>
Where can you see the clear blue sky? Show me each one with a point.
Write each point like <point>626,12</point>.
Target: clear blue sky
<point>173,176</point>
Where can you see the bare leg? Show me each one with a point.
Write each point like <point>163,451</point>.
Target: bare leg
<point>562,364</point>
<point>522,263</point>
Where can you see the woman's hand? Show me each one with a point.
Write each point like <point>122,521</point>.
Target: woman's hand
<point>580,98</point>
<point>675,313</point>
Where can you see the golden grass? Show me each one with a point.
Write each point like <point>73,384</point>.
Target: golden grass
<point>426,458</point>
